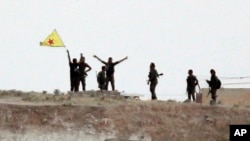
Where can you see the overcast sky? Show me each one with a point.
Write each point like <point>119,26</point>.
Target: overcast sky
<point>175,34</point>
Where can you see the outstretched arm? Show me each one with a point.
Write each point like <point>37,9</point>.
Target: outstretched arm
<point>68,56</point>
<point>99,59</point>
<point>121,60</point>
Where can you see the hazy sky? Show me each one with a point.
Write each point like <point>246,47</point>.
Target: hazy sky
<point>175,34</point>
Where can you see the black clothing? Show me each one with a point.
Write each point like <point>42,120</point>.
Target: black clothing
<point>213,82</point>
<point>111,79</point>
<point>74,71</point>
<point>110,68</point>
<point>191,83</point>
<point>213,86</point>
<point>74,84</point>
<point>82,67</point>
<point>101,79</point>
<point>213,94</point>
<point>74,77</point>
<point>153,75</point>
<point>83,74</point>
<point>152,90</point>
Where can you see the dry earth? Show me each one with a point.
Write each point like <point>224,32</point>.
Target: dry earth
<point>108,116</point>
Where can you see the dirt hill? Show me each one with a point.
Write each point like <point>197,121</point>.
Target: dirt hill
<point>108,116</point>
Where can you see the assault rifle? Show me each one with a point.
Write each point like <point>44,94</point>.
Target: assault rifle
<point>160,74</point>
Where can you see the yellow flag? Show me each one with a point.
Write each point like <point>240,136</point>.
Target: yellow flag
<point>53,40</point>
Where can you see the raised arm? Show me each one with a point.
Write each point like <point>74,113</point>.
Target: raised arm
<point>99,59</point>
<point>121,60</point>
<point>81,56</point>
<point>69,56</point>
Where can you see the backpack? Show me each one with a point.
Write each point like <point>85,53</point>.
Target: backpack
<point>218,84</point>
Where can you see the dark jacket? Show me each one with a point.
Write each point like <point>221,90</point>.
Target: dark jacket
<point>153,75</point>
<point>101,77</point>
<point>191,82</point>
<point>213,82</point>
<point>74,69</point>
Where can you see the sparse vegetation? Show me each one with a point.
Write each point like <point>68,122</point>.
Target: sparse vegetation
<point>110,114</point>
<point>57,92</point>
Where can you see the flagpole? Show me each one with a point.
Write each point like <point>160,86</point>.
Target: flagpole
<point>66,48</point>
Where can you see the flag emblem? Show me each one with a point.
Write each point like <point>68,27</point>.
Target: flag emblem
<point>53,40</point>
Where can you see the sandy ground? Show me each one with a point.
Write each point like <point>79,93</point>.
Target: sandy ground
<point>108,116</point>
<point>238,97</point>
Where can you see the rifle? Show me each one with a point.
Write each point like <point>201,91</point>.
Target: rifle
<point>160,74</point>
<point>208,92</point>
<point>209,89</point>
